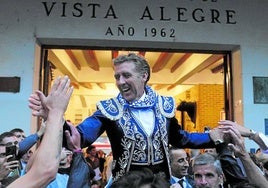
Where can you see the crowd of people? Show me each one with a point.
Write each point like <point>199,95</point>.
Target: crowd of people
<point>210,167</point>
<point>147,142</point>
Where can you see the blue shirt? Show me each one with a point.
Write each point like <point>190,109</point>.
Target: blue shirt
<point>60,181</point>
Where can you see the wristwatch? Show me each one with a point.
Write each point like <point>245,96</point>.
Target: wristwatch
<point>251,134</point>
<point>218,141</point>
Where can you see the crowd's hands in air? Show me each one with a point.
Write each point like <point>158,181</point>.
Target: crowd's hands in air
<point>258,137</point>
<point>216,134</point>
<point>232,133</point>
<point>38,105</point>
<point>245,132</point>
<point>41,105</point>
<point>236,141</point>
<point>236,133</point>
<point>54,106</point>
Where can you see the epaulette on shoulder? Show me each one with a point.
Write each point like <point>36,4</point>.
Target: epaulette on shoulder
<point>111,108</point>
<point>167,106</point>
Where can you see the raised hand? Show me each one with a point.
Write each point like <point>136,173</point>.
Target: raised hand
<point>242,130</point>
<point>237,141</point>
<point>7,166</point>
<point>60,90</point>
<point>40,104</point>
<point>64,153</point>
<point>36,106</point>
<point>216,134</point>
<point>73,138</point>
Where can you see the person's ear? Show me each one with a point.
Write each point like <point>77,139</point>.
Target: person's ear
<point>145,77</point>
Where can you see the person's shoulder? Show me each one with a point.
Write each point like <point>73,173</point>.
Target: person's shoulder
<point>166,98</point>
<point>110,108</point>
<point>167,105</point>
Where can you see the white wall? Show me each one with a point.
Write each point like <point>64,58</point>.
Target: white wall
<point>24,23</point>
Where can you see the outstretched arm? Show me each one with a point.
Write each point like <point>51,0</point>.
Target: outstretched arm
<point>30,140</point>
<point>254,175</point>
<point>183,139</point>
<point>48,154</point>
<point>258,137</point>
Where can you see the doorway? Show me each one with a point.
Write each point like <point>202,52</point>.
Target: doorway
<point>177,73</point>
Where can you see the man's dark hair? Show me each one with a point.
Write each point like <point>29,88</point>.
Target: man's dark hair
<point>17,130</point>
<point>137,179</point>
<point>4,135</point>
<point>89,148</point>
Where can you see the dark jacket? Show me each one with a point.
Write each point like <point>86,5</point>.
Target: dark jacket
<point>231,169</point>
<point>80,173</point>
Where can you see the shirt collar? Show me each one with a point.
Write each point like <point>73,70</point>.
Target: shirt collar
<point>178,179</point>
